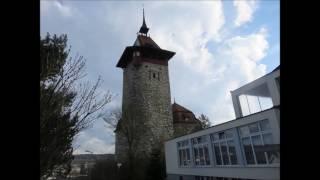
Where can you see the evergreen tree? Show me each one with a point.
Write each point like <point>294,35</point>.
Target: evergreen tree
<point>64,109</point>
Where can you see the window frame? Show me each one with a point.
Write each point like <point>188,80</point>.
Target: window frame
<point>184,147</point>
<point>260,133</point>
<point>224,140</point>
<point>198,146</point>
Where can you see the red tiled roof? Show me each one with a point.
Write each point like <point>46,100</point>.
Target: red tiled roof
<point>183,115</point>
<point>176,107</point>
<point>147,42</point>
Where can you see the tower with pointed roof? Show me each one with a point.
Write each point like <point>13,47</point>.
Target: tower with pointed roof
<point>146,96</point>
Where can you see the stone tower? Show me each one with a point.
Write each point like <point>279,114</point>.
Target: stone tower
<point>146,101</point>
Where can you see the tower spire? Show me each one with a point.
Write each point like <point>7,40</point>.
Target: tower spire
<point>144,29</point>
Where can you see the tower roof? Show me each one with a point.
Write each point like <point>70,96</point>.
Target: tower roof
<point>145,41</point>
<point>160,56</point>
<point>144,29</point>
<point>183,115</point>
<point>178,108</point>
<point>144,49</point>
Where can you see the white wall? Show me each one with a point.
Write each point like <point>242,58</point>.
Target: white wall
<point>242,171</point>
<point>271,84</point>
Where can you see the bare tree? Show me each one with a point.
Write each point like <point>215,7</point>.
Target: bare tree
<point>205,122</point>
<point>67,106</point>
<point>112,118</point>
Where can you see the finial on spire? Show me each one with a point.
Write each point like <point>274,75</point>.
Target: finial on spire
<point>144,29</point>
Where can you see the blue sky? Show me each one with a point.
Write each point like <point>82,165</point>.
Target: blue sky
<point>219,45</point>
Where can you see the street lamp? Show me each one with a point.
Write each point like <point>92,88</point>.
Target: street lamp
<point>119,165</point>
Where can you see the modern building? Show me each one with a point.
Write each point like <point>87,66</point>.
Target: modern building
<point>247,147</point>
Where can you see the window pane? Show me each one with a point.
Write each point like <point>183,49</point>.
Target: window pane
<point>196,156</point>
<point>217,153</point>
<point>266,102</point>
<point>232,152</point>
<point>194,141</point>
<point>272,150</point>
<point>259,149</point>
<point>253,104</point>
<point>184,157</point>
<point>206,154</point>
<point>180,157</point>
<point>267,138</point>
<point>214,137</point>
<point>221,135</point>
<point>201,154</point>
<point>244,131</point>
<point>188,155</point>
<point>244,105</point>
<point>253,128</point>
<point>248,150</point>
<point>229,133</point>
<point>224,152</point>
<point>264,125</point>
<point>204,138</point>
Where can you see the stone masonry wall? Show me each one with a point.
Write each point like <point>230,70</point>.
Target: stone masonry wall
<point>146,88</point>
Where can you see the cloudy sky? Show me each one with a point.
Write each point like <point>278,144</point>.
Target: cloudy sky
<point>219,45</point>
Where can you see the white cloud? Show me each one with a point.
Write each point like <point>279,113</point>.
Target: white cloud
<point>241,56</point>
<point>62,8</point>
<point>88,142</point>
<point>200,78</point>
<point>245,10</point>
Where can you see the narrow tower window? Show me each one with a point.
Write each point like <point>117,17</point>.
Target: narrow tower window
<point>136,53</point>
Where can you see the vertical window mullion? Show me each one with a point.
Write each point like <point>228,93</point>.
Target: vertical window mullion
<point>221,153</point>
<point>228,152</point>
<point>265,153</point>
<point>254,152</point>
<point>261,138</point>
<point>201,147</point>
<point>204,157</point>
<point>259,103</point>
<point>248,104</point>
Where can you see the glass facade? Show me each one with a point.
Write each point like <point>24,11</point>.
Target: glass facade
<point>200,147</point>
<point>224,148</point>
<point>256,145</point>
<point>184,153</point>
<point>255,100</point>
